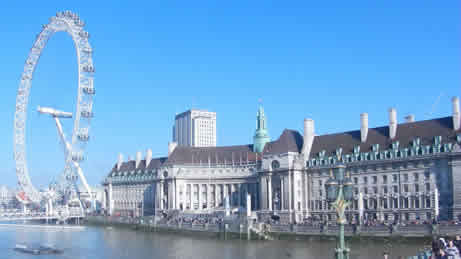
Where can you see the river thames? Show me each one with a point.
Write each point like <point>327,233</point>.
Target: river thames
<point>100,242</point>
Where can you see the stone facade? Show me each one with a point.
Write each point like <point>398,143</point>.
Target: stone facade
<point>399,169</point>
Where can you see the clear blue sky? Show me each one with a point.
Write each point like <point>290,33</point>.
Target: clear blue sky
<point>328,61</point>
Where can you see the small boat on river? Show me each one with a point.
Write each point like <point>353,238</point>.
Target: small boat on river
<point>37,249</point>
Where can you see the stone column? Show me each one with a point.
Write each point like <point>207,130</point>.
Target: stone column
<point>111,201</point>
<point>289,189</point>
<point>282,192</point>
<point>161,196</point>
<point>295,191</point>
<point>199,189</point>
<point>263,192</point>
<point>191,194</point>
<point>269,192</point>
<point>175,194</point>
<point>239,195</point>
<point>215,195</point>
<point>218,194</point>
<point>306,194</point>
<point>208,196</point>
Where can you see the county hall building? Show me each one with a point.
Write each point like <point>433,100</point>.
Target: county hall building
<point>397,169</point>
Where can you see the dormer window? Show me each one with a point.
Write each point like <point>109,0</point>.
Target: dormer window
<point>339,152</point>
<point>322,154</point>
<point>275,165</point>
<point>437,140</point>
<point>416,142</point>
<point>375,147</point>
<point>356,149</point>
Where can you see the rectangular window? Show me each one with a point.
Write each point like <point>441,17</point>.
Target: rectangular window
<point>405,177</point>
<point>384,179</point>
<point>375,189</point>
<point>394,178</point>
<point>365,190</point>
<point>365,180</point>
<point>428,187</point>
<point>356,180</point>
<point>395,189</point>
<point>416,187</point>
<point>427,175</point>
<point>375,179</point>
<point>356,190</point>
<point>385,189</point>
<point>416,177</point>
<point>405,187</point>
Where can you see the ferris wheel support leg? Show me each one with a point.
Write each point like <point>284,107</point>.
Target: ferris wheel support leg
<point>85,183</point>
<point>67,146</point>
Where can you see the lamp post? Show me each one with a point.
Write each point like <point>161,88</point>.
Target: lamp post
<point>339,191</point>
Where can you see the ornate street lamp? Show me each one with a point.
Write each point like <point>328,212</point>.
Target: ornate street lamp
<point>339,192</point>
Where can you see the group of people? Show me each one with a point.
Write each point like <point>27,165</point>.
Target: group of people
<point>194,219</point>
<point>446,249</point>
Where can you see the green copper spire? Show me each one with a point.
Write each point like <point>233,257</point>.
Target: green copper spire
<point>261,136</point>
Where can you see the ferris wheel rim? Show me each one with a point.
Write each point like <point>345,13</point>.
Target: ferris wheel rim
<point>70,23</point>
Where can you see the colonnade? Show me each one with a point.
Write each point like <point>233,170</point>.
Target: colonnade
<point>287,191</point>
<point>196,196</point>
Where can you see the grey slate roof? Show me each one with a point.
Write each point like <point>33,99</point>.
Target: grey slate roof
<point>289,141</point>
<point>131,165</point>
<point>406,132</point>
<point>216,155</point>
<point>292,141</point>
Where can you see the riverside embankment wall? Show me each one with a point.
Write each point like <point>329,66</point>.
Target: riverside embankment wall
<point>281,231</point>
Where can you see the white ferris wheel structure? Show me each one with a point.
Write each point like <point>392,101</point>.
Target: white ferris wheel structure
<point>64,189</point>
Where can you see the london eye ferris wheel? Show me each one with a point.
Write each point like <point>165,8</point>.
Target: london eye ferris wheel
<point>64,189</point>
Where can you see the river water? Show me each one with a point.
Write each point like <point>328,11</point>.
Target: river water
<point>101,242</point>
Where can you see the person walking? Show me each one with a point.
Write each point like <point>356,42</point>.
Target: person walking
<point>441,255</point>
<point>457,242</point>
<point>452,251</point>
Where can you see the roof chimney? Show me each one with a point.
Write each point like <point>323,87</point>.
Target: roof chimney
<point>171,147</point>
<point>308,137</point>
<point>148,156</point>
<point>456,114</point>
<point>363,127</point>
<point>138,158</point>
<point>120,161</point>
<point>410,118</point>
<point>392,123</point>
